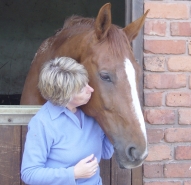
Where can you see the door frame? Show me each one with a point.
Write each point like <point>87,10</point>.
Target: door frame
<point>136,10</point>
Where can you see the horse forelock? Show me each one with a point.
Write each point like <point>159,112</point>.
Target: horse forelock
<point>118,41</point>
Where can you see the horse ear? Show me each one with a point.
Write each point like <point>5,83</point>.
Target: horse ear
<point>103,21</point>
<point>133,28</point>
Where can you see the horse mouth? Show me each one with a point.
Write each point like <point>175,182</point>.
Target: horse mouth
<point>128,164</point>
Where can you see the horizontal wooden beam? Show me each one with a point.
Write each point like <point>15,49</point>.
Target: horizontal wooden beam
<point>17,114</point>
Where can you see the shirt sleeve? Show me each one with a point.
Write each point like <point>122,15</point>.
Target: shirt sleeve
<point>37,148</point>
<point>107,147</point>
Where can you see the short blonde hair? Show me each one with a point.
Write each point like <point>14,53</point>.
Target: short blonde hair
<point>60,79</point>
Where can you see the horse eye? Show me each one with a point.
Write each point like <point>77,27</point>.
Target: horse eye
<point>105,77</point>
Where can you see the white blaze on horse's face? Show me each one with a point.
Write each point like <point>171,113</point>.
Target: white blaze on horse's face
<point>130,71</point>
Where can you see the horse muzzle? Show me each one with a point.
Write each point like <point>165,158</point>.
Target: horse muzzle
<point>130,158</point>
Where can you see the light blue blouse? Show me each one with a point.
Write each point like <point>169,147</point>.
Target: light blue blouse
<point>56,142</point>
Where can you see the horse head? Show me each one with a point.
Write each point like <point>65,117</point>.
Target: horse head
<point>114,74</point>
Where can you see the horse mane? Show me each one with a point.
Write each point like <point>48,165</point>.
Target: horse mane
<point>116,39</point>
<point>78,20</point>
<point>75,25</point>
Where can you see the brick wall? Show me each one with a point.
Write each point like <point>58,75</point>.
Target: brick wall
<point>167,92</point>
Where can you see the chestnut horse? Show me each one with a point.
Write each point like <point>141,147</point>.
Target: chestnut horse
<point>104,49</point>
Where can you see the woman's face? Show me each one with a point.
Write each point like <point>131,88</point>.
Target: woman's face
<point>81,98</point>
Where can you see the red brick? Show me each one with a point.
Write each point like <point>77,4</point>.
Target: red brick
<point>167,10</point>
<point>159,116</point>
<point>188,182</point>
<point>159,152</point>
<point>167,182</point>
<point>164,81</point>
<point>153,99</point>
<point>183,152</point>
<point>179,63</point>
<point>185,116</point>
<point>178,99</point>
<point>165,46</point>
<point>155,135</point>
<point>189,48</point>
<point>180,29</point>
<point>173,135</point>
<point>177,170</point>
<point>153,170</point>
<point>154,63</point>
<point>155,27</point>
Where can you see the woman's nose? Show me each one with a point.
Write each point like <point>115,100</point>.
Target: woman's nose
<point>90,89</point>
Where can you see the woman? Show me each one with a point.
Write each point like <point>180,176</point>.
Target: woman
<point>63,145</point>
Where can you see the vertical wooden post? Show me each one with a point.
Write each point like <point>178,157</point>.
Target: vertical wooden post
<point>119,176</point>
<point>137,45</point>
<point>105,171</point>
<point>137,11</point>
<point>23,138</point>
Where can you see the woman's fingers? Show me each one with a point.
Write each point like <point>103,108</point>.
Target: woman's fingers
<point>86,168</point>
<point>88,159</point>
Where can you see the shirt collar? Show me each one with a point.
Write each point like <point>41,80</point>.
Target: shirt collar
<point>55,110</point>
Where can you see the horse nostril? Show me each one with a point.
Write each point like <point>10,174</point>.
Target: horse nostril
<point>130,152</point>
